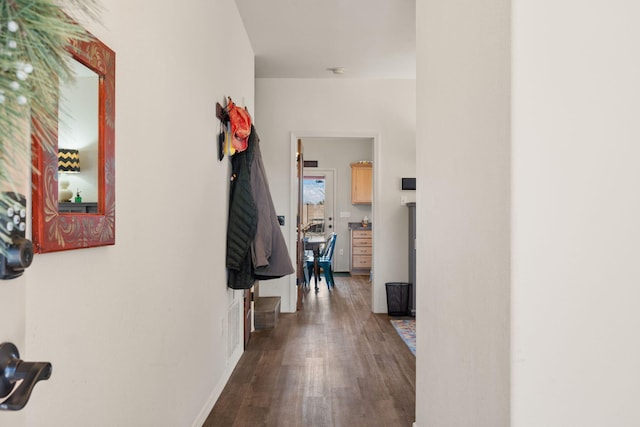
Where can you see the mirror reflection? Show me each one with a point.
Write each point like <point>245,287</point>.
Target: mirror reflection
<point>78,142</point>
<point>90,171</point>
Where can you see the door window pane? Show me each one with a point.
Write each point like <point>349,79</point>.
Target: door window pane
<point>313,199</point>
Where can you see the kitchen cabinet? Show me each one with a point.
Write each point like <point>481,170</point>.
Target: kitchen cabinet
<point>361,183</point>
<point>361,251</point>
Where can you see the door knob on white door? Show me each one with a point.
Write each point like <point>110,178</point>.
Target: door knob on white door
<point>12,370</point>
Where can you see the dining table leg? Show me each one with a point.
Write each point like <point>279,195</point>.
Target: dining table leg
<point>316,267</point>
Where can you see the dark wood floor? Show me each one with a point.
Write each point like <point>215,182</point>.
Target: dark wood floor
<point>333,363</point>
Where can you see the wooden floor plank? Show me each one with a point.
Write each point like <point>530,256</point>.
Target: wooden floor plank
<point>332,364</point>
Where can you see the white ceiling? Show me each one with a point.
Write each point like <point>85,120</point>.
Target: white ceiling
<point>302,38</point>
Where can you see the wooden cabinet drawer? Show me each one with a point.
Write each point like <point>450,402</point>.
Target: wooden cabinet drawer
<point>361,234</point>
<point>361,242</point>
<point>362,250</point>
<point>361,261</point>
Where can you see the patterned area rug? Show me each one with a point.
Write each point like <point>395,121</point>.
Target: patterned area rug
<point>406,328</point>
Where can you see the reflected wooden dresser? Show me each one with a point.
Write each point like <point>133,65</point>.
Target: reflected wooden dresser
<point>86,207</point>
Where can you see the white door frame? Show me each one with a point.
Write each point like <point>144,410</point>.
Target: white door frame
<point>293,203</point>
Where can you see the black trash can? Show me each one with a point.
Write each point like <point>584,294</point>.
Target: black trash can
<point>398,298</point>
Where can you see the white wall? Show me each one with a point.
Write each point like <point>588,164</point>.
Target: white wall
<point>576,207</point>
<point>463,220</point>
<point>136,332</point>
<point>343,107</point>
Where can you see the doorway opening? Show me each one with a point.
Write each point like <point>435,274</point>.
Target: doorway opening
<point>332,152</point>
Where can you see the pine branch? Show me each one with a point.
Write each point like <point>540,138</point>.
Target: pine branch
<point>34,37</point>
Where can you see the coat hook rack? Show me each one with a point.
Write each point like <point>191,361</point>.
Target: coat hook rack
<point>235,124</point>
<point>223,115</point>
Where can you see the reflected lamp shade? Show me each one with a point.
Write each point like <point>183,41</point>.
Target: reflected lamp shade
<point>68,160</point>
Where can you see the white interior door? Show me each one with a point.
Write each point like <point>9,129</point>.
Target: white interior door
<point>13,318</point>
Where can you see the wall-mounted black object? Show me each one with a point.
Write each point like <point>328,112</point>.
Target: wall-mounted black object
<point>310,163</point>
<point>281,219</point>
<point>17,254</point>
<point>408,183</point>
<point>12,369</point>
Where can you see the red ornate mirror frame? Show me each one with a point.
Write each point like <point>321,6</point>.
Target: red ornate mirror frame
<point>59,231</point>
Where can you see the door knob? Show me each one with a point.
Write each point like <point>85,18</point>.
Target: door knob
<point>12,369</point>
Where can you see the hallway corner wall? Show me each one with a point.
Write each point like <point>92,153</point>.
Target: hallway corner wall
<point>463,213</point>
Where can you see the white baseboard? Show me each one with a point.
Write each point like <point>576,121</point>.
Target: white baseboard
<point>217,391</point>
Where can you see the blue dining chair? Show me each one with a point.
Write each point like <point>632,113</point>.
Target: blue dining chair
<point>324,261</point>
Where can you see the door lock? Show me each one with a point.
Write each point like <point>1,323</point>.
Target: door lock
<point>16,251</point>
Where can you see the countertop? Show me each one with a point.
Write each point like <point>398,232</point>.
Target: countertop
<point>358,226</point>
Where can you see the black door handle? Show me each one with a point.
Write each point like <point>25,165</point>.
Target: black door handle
<point>12,369</point>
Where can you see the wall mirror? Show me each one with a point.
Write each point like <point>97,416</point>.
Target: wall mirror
<point>74,186</point>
